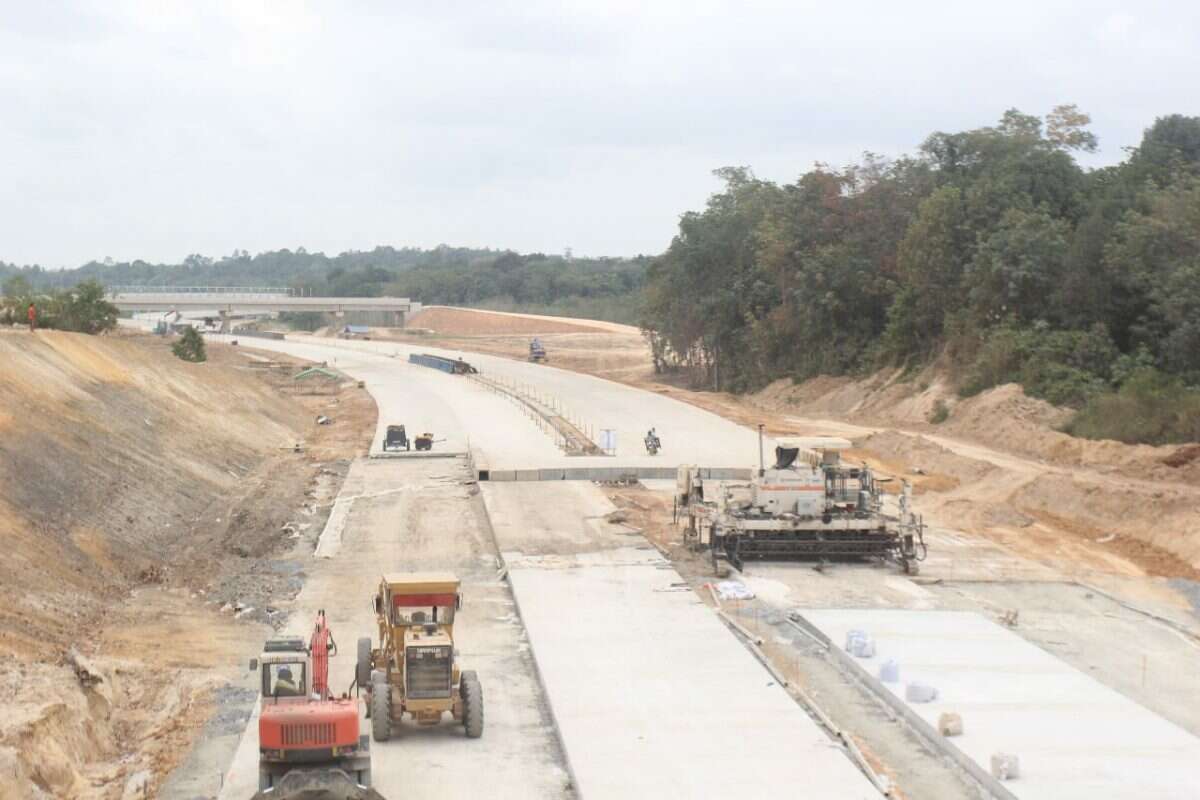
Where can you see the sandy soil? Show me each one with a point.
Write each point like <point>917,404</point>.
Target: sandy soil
<point>445,319</point>
<point>140,498</point>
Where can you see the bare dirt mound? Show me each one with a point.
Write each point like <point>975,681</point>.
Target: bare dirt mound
<point>999,466</point>
<point>470,322</point>
<point>135,489</point>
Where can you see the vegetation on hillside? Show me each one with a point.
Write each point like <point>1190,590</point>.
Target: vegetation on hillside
<point>991,248</point>
<point>81,308</point>
<point>190,346</point>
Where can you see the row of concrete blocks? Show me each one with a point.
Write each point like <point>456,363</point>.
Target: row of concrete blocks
<point>605,474</point>
<point>1004,766</point>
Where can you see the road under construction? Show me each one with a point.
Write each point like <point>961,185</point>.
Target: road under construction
<point>608,674</point>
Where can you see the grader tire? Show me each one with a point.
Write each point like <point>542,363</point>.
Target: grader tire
<point>472,697</point>
<point>381,712</point>
<point>362,668</point>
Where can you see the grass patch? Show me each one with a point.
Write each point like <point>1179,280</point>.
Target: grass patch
<point>940,412</point>
<point>1149,408</point>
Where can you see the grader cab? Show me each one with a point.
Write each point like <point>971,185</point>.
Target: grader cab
<point>414,671</point>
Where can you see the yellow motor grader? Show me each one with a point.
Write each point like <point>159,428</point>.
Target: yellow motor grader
<point>414,670</point>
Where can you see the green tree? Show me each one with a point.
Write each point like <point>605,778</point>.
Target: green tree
<point>17,287</point>
<point>190,346</point>
<point>929,264</point>
<point>1155,254</point>
<point>84,309</point>
<point>1017,267</point>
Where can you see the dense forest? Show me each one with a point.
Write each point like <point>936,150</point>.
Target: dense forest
<point>604,288</point>
<point>990,249</point>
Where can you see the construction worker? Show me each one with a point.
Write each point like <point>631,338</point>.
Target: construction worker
<point>284,685</point>
<point>32,317</point>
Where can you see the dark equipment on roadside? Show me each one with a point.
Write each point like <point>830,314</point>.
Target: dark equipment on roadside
<point>396,438</point>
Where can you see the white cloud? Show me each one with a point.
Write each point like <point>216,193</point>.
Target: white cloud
<point>157,128</point>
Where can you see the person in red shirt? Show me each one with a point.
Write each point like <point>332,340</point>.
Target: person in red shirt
<point>32,317</point>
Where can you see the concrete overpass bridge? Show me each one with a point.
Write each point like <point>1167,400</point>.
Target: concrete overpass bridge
<point>231,301</point>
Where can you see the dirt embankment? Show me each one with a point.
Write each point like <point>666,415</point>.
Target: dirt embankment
<point>472,322</point>
<point>139,498</point>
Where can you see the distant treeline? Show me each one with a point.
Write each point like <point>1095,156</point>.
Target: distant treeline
<point>991,249</point>
<point>602,287</point>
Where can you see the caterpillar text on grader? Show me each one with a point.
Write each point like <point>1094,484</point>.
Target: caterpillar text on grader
<point>414,670</point>
<point>308,739</point>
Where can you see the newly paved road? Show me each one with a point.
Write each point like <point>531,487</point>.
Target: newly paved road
<point>500,436</point>
<point>652,696</point>
<point>1075,737</point>
<point>409,515</point>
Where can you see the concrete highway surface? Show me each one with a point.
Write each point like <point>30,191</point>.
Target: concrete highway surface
<point>603,674</point>
<point>500,436</point>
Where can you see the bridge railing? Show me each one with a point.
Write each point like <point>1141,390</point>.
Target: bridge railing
<point>256,291</point>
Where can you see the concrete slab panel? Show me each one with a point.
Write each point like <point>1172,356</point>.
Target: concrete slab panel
<point>653,698</point>
<point>1075,737</point>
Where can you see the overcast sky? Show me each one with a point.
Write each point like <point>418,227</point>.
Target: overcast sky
<point>154,129</point>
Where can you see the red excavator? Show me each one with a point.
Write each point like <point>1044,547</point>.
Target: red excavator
<point>308,740</point>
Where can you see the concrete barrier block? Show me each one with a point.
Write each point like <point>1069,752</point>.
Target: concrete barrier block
<point>551,474</point>
<point>1005,767</point>
<point>526,475</point>
<point>920,693</point>
<point>864,647</point>
<point>950,724</point>
<point>501,475</point>
<point>889,671</point>
<point>860,644</point>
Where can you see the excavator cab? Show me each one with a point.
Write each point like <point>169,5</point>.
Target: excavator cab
<point>308,739</point>
<point>285,669</point>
